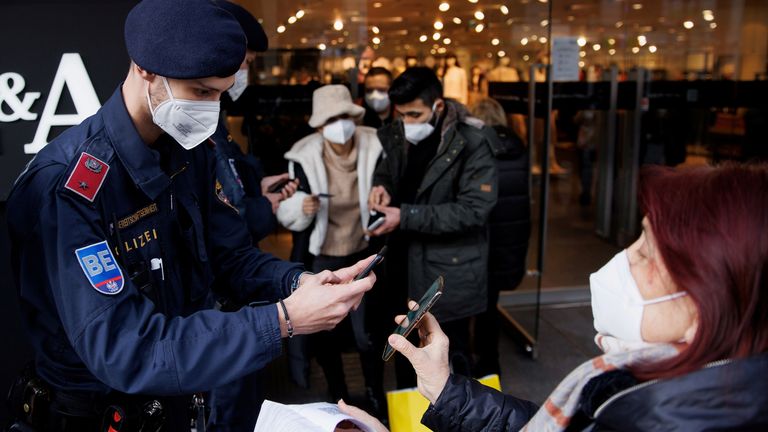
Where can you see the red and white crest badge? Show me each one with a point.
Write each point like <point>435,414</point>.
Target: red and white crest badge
<point>88,176</point>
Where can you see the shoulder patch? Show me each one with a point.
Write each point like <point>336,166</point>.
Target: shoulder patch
<point>88,176</point>
<point>100,268</point>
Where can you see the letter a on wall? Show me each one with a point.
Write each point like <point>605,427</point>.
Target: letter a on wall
<point>72,73</point>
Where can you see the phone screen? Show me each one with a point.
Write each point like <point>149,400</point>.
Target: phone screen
<point>414,316</point>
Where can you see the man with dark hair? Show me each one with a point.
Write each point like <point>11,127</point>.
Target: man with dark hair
<point>436,185</point>
<point>378,109</point>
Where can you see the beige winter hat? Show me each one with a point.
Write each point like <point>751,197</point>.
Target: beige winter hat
<point>330,101</point>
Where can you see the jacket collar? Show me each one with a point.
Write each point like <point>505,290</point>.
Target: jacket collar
<point>141,162</point>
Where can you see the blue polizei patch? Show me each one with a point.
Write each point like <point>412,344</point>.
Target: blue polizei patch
<point>100,268</point>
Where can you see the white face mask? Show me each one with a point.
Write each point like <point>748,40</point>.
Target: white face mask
<point>378,100</point>
<point>241,83</point>
<point>418,132</point>
<point>340,131</point>
<point>188,122</point>
<point>617,304</point>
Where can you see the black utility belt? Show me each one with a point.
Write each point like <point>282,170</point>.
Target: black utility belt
<point>36,404</point>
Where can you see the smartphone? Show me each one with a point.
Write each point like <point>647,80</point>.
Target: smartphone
<point>414,316</point>
<point>376,260</point>
<point>376,220</point>
<point>278,185</point>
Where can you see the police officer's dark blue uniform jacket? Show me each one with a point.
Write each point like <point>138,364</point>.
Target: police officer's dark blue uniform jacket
<point>240,176</point>
<point>115,244</point>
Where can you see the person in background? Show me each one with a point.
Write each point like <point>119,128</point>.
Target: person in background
<point>329,215</point>
<point>235,406</point>
<point>455,80</point>
<point>378,110</point>
<point>510,228</point>
<point>681,315</point>
<point>436,187</point>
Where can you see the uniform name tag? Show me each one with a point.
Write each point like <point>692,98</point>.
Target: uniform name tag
<point>100,268</point>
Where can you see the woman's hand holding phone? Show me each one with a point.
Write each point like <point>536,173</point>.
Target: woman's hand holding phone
<point>430,360</point>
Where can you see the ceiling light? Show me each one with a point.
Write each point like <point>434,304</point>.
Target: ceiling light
<point>444,6</point>
<point>423,38</point>
<point>280,28</point>
<point>377,5</point>
<point>708,15</point>
<point>619,24</point>
<point>441,50</point>
<point>456,20</point>
<point>713,25</point>
<point>524,41</point>
<point>582,54</point>
<point>635,50</point>
<point>479,28</point>
<point>292,20</point>
<point>338,24</point>
<point>596,47</point>
<point>473,1</point>
<point>321,47</point>
<point>544,23</point>
<point>495,41</point>
<point>688,24</point>
<point>581,41</point>
<point>436,36</point>
<point>641,40</point>
<point>479,15</point>
<point>375,30</point>
<point>300,13</point>
<point>611,41</point>
<point>304,40</point>
<point>438,25</point>
<point>376,40</point>
<point>447,41</point>
<point>433,51</point>
<point>581,64</point>
<point>501,53</point>
<point>504,9</point>
<point>652,49</point>
<point>526,57</point>
<point>611,51</point>
<point>542,40</point>
<point>637,6</point>
<point>534,38</point>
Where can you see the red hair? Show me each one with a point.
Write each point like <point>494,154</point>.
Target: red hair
<point>711,229</point>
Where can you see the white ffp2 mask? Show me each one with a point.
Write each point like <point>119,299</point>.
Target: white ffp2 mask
<point>418,132</point>
<point>340,131</point>
<point>188,122</point>
<point>241,83</point>
<point>617,304</point>
<point>378,100</point>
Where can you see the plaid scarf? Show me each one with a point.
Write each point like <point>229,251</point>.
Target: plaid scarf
<point>556,412</point>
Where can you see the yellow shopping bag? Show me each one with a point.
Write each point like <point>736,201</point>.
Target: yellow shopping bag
<point>407,406</point>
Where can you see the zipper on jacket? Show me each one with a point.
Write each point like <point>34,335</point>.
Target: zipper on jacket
<point>647,383</point>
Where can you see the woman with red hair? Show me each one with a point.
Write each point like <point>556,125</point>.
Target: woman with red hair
<point>682,316</point>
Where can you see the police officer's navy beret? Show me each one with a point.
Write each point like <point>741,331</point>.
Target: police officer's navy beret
<point>254,32</point>
<point>184,39</point>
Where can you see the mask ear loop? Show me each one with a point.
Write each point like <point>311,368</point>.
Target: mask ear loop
<point>664,298</point>
<point>167,89</point>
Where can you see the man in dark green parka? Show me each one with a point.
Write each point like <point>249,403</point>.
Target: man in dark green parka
<point>436,185</point>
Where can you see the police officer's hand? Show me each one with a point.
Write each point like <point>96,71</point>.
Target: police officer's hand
<point>283,194</point>
<point>391,223</point>
<point>324,299</point>
<point>311,205</point>
<point>379,196</point>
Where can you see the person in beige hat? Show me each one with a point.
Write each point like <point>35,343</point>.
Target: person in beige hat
<point>329,216</point>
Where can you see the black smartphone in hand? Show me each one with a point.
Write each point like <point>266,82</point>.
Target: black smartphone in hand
<point>376,260</point>
<point>278,185</point>
<point>414,316</point>
<point>376,220</point>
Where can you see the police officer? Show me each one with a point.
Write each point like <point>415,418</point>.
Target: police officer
<point>235,406</point>
<point>118,227</point>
